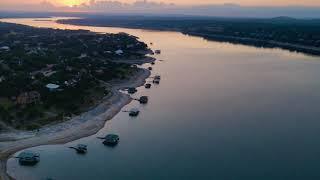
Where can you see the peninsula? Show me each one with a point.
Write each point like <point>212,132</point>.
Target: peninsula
<point>50,75</point>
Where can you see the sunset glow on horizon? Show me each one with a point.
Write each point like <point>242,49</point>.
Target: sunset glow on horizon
<point>71,2</point>
<point>181,2</point>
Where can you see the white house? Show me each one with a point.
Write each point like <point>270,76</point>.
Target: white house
<point>4,48</point>
<point>119,52</point>
<point>52,87</point>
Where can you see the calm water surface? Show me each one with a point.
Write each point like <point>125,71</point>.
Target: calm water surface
<point>222,111</point>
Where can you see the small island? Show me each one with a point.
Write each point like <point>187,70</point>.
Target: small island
<point>51,75</point>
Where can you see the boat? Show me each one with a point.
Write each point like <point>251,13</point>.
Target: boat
<point>157,51</point>
<point>81,148</point>
<point>111,140</point>
<point>157,77</point>
<point>147,86</point>
<point>28,158</point>
<point>156,81</point>
<point>144,99</point>
<point>132,90</point>
<point>134,112</point>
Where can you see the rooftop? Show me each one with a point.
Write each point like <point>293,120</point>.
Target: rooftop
<point>52,86</point>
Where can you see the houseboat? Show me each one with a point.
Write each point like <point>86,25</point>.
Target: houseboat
<point>157,77</point>
<point>132,90</point>
<point>156,81</point>
<point>157,51</point>
<point>80,148</point>
<point>111,140</point>
<point>147,86</point>
<point>28,158</point>
<point>144,99</point>
<point>134,112</point>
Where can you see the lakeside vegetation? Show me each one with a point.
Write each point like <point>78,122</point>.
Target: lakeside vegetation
<point>299,35</point>
<point>50,75</point>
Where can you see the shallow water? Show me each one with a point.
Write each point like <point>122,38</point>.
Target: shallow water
<point>222,111</point>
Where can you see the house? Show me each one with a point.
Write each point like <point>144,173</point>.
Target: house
<point>52,87</point>
<point>32,97</point>
<point>130,46</point>
<point>83,55</point>
<point>2,78</point>
<point>99,71</point>
<point>119,52</point>
<point>109,52</point>
<point>72,82</point>
<point>4,48</point>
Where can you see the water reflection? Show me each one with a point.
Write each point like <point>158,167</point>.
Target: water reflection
<point>222,111</point>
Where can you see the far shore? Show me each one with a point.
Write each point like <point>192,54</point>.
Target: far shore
<point>300,48</point>
<point>86,124</point>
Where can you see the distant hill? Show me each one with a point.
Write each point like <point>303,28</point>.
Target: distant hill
<point>283,18</point>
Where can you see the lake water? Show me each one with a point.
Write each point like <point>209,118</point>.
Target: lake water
<point>222,111</point>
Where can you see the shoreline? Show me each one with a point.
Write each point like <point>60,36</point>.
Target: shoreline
<point>84,125</point>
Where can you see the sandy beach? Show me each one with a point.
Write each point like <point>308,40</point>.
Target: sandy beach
<point>80,126</point>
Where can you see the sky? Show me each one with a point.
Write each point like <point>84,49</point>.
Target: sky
<point>223,8</point>
<point>182,2</point>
